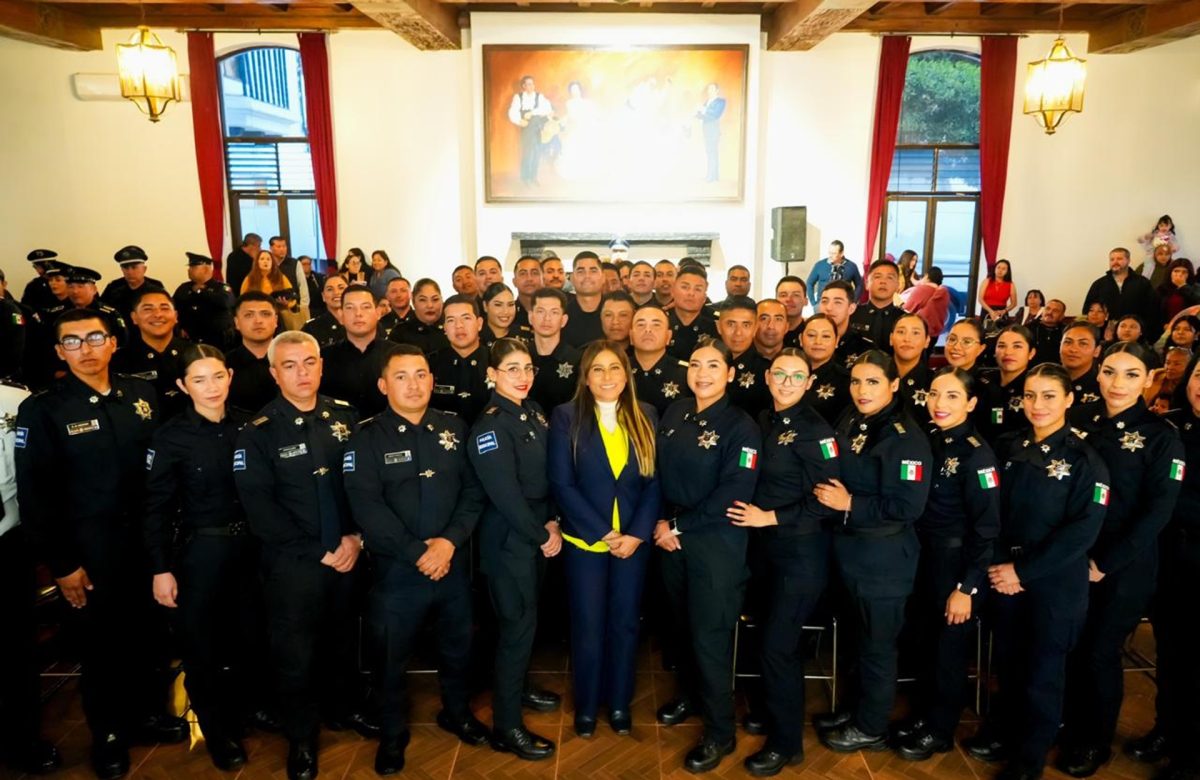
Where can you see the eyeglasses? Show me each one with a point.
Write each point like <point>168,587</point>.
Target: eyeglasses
<point>782,377</point>
<point>952,339</point>
<point>96,339</point>
<point>517,372</point>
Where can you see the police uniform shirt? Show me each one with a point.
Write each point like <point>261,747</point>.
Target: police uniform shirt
<point>557,375</point>
<point>706,461</point>
<point>507,448</point>
<point>252,387</point>
<point>748,390</point>
<point>914,389</point>
<point>325,329</point>
<point>662,384</point>
<point>411,482</point>
<point>1145,460</point>
<point>1187,507</point>
<point>460,383</point>
<point>582,326</point>
<point>830,390</point>
<point>1047,340</point>
<point>875,324</point>
<point>37,294</point>
<point>288,470</point>
<point>684,337</point>
<point>160,369</point>
<point>515,331</point>
<point>885,466</point>
<point>390,321</point>
<point>205,313</point>
<point>1053,498</point>
<point>119,295</point>
<point>189,464</point>
<point>792,337</point>
<point>12,396</point>
<point>352,375</point>
<point>13,328</point>
<point>799,452</point>
<point>1000,408</point>
<point>964,501</point>
<point>98,442</point>
<point>850,346</point>
<point>427,338</point>
<point>1087,387</point>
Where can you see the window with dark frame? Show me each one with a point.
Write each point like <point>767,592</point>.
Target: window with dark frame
<point>268,161</point>
<point>932,204</point>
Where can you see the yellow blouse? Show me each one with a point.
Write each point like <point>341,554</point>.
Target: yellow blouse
<point>616,446</point>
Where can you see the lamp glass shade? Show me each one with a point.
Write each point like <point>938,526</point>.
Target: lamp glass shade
<point>148,72</point>
<point>1054,86</point>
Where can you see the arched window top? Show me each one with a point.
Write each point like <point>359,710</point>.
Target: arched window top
<point>941,99</point>
<point>262,93</point>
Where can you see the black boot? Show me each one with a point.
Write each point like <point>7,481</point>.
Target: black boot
<point>675,711</point>
<point>851,739</point>
<point>768,762</point>
<point>828,721</point>
<point>922,745</point>
<point>540,699</point>
<point>523,743</point>
<point>389,757</point>
<point>1149,748</point>
<point>621,721</point>
<point>707,755</point>
<point>468,729</point>
<point>302,759</point>
<point>986,746</point>
<point>1083,761</point>
<point>110,756</point>
<point>227,753</point>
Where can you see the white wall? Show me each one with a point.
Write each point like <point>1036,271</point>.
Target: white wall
<point>86,178</point>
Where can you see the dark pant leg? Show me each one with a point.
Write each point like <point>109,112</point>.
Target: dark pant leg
<point>20,706</point>
<point>1177,634</point>
<point>515,600</point>
<point>454,626</point>
<point>253,675</point>
<point>943,673</point>
<point>203,573</point>
<point>716,583</point>
<point>674,569</point>
<point>339,675</point>
<point>399,603</point>
<point>626,578</point>
<point>587,584</point>
<point>798,575</point>
<point>296,606</point>
<point>1011,653</point>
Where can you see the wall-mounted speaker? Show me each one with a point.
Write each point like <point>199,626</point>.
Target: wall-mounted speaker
<point>789,232</point>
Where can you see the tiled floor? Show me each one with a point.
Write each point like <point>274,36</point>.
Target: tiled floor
<point>650,752</point>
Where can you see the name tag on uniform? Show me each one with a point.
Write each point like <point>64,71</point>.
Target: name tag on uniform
<point>293,451</point>
<point>443,389</point>
<point>83,426</point>
<point>392,458</point>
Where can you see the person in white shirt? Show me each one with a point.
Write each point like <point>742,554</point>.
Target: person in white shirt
<point>530,110</point>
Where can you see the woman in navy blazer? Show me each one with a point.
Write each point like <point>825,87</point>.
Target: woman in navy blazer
<point>601,465</point>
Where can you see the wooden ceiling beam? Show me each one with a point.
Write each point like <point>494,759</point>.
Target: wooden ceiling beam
<point>48,25</point>
<point>987,25</point>
<point>427,24</point>
<point>801,24</point>
<point>933,9</point>
<point>234,18</point>
<point>1144,27</point>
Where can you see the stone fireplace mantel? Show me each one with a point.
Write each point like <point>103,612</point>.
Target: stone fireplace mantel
<point>699,245</point>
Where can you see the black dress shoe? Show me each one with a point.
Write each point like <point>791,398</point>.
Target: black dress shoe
<point>161,730</point>
<point>1015,771</point>
<point>985,746</point>
<point>922,745</point>
<point>1149,748</point>
<point>469,730</point>
<point>707,755</point>
<point>540,700</point>
<point>110,757</point>
<point>754,724</point>
<point>902,730</point>
<point>263,720</point>
<point>828,721</point>
<point>850,739</point>
<point>675,711</point>
<point>302,760</point>
<point>768,763</point>
<point>366,726</point>
<point>1083,761</point>
<point>36,757</point>
<point>523,743</point>
<point>621,722</point>
<point>227,753</point>
<point>585,726</point>
<point>389,757</point>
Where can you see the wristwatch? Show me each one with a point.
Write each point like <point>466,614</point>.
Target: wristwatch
<point>674,526</point>
<point>959,588</point>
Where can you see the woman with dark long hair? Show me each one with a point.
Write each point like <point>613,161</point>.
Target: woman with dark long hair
<point>354,268</point>
<point>500,313</point>
<point>382,272</point>
<point>909,340</point>
<point>602,474</point>
<point>998,295</point>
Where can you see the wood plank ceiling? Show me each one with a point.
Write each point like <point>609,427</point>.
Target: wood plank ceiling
<point>1112,25</point>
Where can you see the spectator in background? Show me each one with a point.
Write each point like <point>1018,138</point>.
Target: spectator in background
<point>1035,303</point>
<point>1158,267</point>
<point>1177,292</point>
<point>1097,317</point>
<point>909,275</point>
<point>998,296</point>
<point>930,300</point>
<point>464,282</point>
<point>1048,332</point>
<point>1130,328</point>
<point>1163,234</point>
<point>1183,333</point>
<point>315,282</point>
<point>1122,292</point>
<point>833,268</point>
<point>737,281</point>
<point>266,277</point>
<point>241,260</point>
<point>354,267</point>
<point>612,278</point>
<point>382,272</point>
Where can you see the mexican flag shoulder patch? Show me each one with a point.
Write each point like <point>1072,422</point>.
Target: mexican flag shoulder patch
<point>988,478</point>
<point>748,459</point>
<point>829,448</point>
<point>910,470</point>
<point>1177,469</point>
<point>1100,494</point>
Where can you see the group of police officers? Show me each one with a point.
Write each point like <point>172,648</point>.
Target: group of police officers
<point>272,489</point>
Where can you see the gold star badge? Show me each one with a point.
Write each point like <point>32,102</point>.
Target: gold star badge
<point>340,431</point>
<point>787,437</point>
<point>746,380</point>
<point>919,397</point>
<point>427,473</point>
<point>448,440</point>
<point>825,392</point>
<point>142,409</point>
<point>708,439</point>
<point>950,467</point>
<point>858,442</point>
<point>1133,441</point>
<point>565,370</point>
<point>670,389</point>
<point>1058,469</point>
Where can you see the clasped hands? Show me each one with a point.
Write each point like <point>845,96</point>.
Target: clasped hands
<point>345,556</point>
<point>621,545</point>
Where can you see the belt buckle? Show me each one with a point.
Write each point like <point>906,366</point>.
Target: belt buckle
<point>1016,551</point>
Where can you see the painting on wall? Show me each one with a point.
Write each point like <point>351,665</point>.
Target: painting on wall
<point>588,124</point>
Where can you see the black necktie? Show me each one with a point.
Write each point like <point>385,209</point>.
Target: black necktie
<point>327,507</point>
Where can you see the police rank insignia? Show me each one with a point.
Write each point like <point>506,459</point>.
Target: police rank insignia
<point>1088,398</point>
<point>565,369</point>
<point>670,389</point>
<point>708,439</point>
<point>950,467</point>
<point>919,397</point>
<point>1133,441</point>
<point>825,392</point>
<point>448,440</point>
<point>858,442</point>
<point>787,437</point>
<point>746,380</point>
<point>8,422</point>
<point>427,473</point>
<point>340,431</point>
<point>1015,403</point>
<point>142,409</point>
<point>1058,469</point>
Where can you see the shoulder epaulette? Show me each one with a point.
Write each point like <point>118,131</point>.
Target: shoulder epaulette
<point>1170,422</point>
<point>339,402</point>
<point>446,412</point>
<point>260,421</point>
<point>900,429</point>
<point>974,441</point>
<point>492,410</point>
<point>1078,432</point>
<point>683,363</point>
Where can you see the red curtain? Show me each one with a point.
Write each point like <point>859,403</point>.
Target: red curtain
<point>210,152</point>
<point>314,60</point>
<point>997,81</point>
<point>893,64</point>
